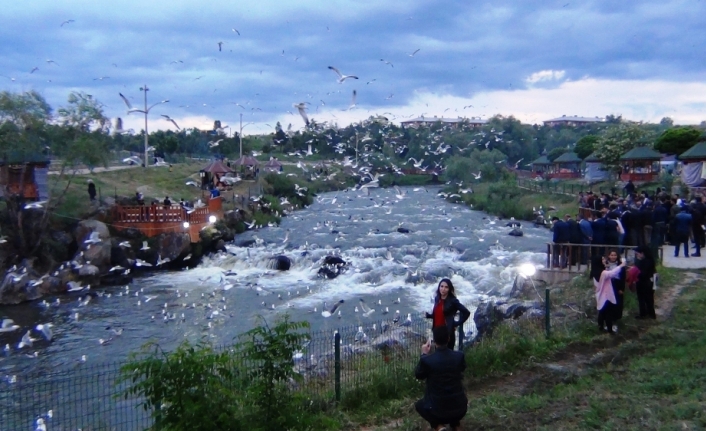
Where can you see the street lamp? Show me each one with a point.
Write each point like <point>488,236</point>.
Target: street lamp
<point>146,111</point>
<point>240,135</point>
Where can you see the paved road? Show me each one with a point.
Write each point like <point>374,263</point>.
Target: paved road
<point>95,170</point>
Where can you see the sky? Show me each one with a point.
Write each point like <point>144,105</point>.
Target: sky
<point>534,60</point>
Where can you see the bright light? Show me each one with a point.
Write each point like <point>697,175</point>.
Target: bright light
<point>186,225</point>
<point>527,270</point>
<point>212,219</point>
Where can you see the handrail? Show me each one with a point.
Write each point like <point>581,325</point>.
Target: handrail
<point>568,256</point>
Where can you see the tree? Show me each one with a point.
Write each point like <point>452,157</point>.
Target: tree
<point>585,146</point>
<point>677,140</point>
<point>617,141</point>
<point>23,121</point>
<point>666,122</point>
<point>83,113</point>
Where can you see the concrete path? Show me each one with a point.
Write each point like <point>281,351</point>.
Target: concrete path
<point>95,170</point>
<point>669,261</point>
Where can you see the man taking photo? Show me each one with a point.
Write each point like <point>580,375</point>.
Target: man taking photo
<point>444,399</point>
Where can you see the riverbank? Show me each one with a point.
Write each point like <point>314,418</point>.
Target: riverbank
<point>650,373</point>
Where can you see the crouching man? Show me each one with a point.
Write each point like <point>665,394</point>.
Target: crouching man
<point>444,399</point>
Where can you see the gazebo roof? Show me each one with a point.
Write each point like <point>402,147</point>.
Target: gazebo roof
<point>568,157</point>
<point>217,167</point>
<point>246,161</point>
<point>641,153</point>
<point>543,160</point>
<point>697,152</point>
<point>273,163</point>
<point>592,158</point>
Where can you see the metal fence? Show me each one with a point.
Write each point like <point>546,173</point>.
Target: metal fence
<point>561,187</point>
<point>334,364</point>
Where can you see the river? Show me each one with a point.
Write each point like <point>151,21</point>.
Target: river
<point>387,269</point>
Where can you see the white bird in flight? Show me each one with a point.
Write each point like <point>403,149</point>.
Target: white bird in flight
<point>342,77</point>
<point>168,118</point>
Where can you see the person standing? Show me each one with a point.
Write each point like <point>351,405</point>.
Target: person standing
<point>605,296</point>
<point>586,238</point>
<point>91,190</point>
<point>644,286</point>
<point>575,238</point>
<point>446,305</point>
<point>618,283</point>
<point>629,188</point>
<point>445,400</point>
<point>682,230</point>
<point>560,238</point>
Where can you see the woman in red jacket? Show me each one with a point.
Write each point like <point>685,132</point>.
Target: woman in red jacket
<point>446,305</point>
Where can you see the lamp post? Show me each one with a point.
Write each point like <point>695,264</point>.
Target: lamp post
<point>146,111</point>
<point>240,135</point>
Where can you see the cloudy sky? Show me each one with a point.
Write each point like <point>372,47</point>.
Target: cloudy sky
<point>532,59</point>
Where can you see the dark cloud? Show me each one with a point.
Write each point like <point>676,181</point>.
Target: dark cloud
<point>465,48</point>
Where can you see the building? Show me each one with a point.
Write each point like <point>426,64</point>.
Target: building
<point>24,176</point>
<point>640,164</point>
<point>693,172</point>
<point>573,121</point>
<point>454,122</point>
<point>565,166</point>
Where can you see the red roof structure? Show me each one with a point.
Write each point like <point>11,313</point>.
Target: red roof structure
<point>246,161</point>
<point>217,167</point>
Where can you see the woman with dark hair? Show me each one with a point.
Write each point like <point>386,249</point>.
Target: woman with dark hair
<point>645,263</point>
<point>618,282</point>
<point>446,305</point>
<point>605,296</point>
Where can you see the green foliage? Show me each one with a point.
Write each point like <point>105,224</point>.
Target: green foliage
<point>585,146</point>
<point>617,141</point>
<point>196,387</point>
<point>678,140</point>
<point>190,388</point>
<point>556,153</point>
<point>83,112</point>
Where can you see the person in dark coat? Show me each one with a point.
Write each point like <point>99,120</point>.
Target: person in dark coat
<point>659,225</point>
<point>644,286</point>
<point>91,190</point>
<point>446,305</point>
<point>575,237</point>
<point>586,238</point>
<point>561,235</point>
<point>629,187</point>
<point>700,207</point>
<point>445,400</point>
<point>599,230</point>
<point>697,231</point>
<point>682,230</point>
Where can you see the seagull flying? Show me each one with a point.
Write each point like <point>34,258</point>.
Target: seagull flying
<point>168,118</point>
<point>415,51</point>
<point>329,313</point>
<point>301,107</point>
<point>342,77</point>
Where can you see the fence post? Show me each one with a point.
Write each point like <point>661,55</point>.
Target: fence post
<point>547,313</point>
<point>337,365</point>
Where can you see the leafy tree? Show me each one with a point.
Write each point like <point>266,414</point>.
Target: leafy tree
<point>585,146</point>
<point>556,153</point>
<point>83,113</point>
<point>666,122</point>
<point>23,121</point>
<point>617,141</point>
<point>677,140</point>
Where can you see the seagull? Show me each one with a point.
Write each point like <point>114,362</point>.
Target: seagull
<point>74,286</point>
<point>35,205</point>
<point>415,51</point>
<point>476,176</point>
<point>168,118</point>
<point>215,143</point>
<point>235,30</point>
<point>342,77</point>
<point>145,246</point>
<point>329,313</point>
<point>8,325</point>
<point>367,311</point>
<point>220,46</point>
<point>46,331</point>
<point>301,107</point>
<point>93,238</point>
<point>386,62</point>
<point>353,100</point>
<point>125,244</point>
<point>134,160</point>
<point>26,341</point>
<point>68,21</point>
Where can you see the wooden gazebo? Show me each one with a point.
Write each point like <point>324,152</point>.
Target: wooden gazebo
<point>565,166</point>
<point>640,164</point>
<point>24,176</point>
<point>693,169</point>
<point>273,165</point>
<point>539,166</point>
<point>211,173</point>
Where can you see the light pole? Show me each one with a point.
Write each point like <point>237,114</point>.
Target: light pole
<point>146,111</point>
<point>240,135</point>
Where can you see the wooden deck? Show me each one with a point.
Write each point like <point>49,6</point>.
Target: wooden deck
<point>153,220</point>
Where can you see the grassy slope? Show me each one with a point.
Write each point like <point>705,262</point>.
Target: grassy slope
<point>650,376</point>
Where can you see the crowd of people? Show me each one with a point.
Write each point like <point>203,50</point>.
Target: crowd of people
<point>645,218</point>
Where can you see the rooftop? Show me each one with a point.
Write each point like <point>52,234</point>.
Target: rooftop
<point>575,118</point>
<point>568,157</point>
<point>641,153</point>
<point>444,120</point>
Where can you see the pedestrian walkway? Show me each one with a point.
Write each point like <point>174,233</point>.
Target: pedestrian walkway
<point>669,261</point>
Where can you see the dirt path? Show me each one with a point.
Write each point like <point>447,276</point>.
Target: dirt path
<point>568,364</point>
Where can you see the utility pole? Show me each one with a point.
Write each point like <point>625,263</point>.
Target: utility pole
<point>240,135</point>
<point>145,90</point>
